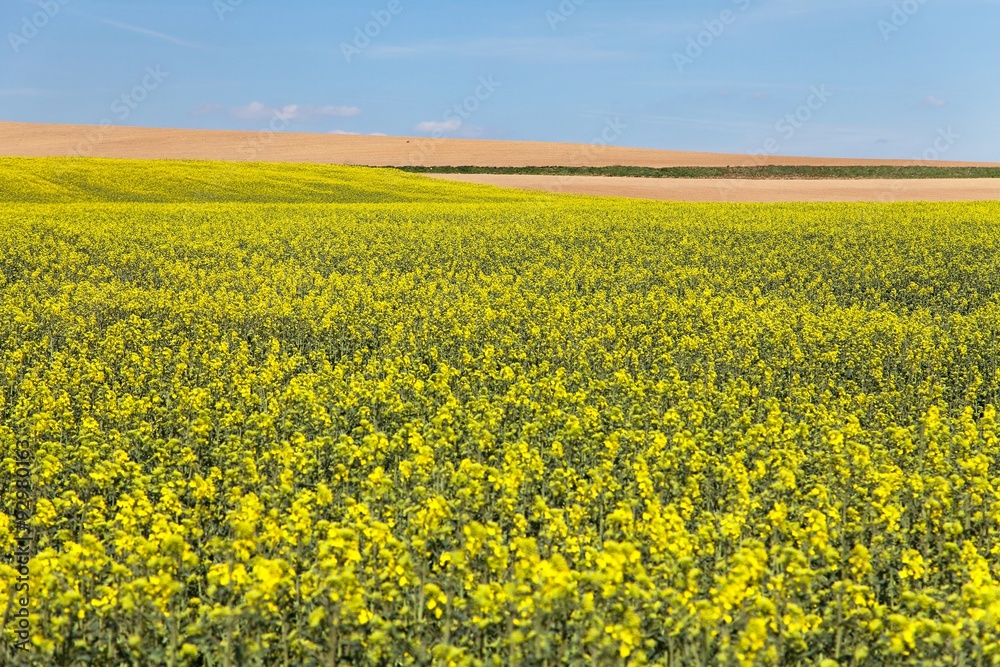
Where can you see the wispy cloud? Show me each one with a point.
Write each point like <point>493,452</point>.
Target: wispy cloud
<point>151,33</point>
<point>442,126</point>
<point>259,111</point>
<point>206,109</point>
<point>931,101</point>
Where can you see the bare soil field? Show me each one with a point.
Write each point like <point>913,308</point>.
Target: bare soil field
<point>45,140</point>
<point>34,139</point>
<point>743,190</point>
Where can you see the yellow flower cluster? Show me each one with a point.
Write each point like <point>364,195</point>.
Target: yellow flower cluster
<point>493,428</point>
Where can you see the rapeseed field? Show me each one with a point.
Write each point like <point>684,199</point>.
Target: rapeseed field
<point>299,415</point>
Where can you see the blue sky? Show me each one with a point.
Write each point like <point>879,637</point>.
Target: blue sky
<point>852,78</point>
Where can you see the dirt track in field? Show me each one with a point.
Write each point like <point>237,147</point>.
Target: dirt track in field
<point>34,140</point>
<point>746,190</point>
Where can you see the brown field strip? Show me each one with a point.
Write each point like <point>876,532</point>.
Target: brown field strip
<point>744,190</point>
<point>33,139</point>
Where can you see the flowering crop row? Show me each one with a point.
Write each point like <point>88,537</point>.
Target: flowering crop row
<point>75,181</point>
<point>539,431</point>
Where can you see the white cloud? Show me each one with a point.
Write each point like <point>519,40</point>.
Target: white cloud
<point>259,111</point>
<point>205,109</point>
<point>931,101</point>
<point>439,126</point>
<point>329,110</point>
